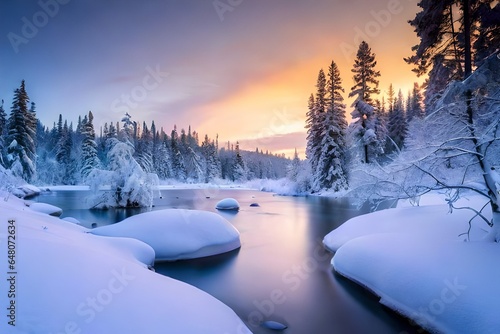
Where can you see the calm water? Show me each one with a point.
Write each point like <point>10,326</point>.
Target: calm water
<point>281,272</point>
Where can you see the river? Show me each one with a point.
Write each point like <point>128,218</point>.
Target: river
<point>281,272</point>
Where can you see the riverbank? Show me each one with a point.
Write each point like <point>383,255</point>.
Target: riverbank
<point>425,263</point>
<point>282,271</point>
<point>64,279</point>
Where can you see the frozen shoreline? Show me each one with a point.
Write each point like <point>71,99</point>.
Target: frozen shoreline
<point>417,261</point>
<point>66,279</point>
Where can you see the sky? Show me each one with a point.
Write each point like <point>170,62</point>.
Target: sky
<point>239,69</point>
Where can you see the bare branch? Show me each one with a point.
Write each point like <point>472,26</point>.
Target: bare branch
<point>448,186</point>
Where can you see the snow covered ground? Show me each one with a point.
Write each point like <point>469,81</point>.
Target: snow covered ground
<point>165,186</point>
<point>63,279</point>
<point>417,261</point>
<point>177,234</point>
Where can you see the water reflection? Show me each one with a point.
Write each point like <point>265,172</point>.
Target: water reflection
<point>281,272</point>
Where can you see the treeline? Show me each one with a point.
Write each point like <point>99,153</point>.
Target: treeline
<point>456,37</point>
<point>67,154</point>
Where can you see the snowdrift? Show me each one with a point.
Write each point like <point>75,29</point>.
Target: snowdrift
<point>46,208</point>
<point>70,281</point>
<point>416,261</point>
<point>177,234</point>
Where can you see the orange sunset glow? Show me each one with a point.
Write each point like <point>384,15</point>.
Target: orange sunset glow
<point>244,75</point>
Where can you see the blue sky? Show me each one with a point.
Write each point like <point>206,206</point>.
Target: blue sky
<point>242,69</point>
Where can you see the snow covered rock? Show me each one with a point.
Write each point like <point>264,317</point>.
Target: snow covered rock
<point>95,284</point>
<point>228,204</point>
<point>46,208</point>
<point>177,234</point>
<point>27,191</point>
<point>274,325</point>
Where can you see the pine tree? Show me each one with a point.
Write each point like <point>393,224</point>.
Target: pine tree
<point>315,121</point>
<point>398,126</point>
<point>89,147</point>
<point>239,170</point>
<point>59,127</point>
<point>313,134</point>
<point>330,172</point>
<point>178,165</point>
<point>366,84</point>
<point>486,36</point>
<point>381,131</point>
<point>365,75</point>
<point>144,150</point>
<point>3,131</point>
<point>63,149</point>
<point>31,127</point>
<point>21,136</point>
<point>435,84</point>
<point>112,132</point>
<point>408,107</point>
<point>363,128</point>
<point>212,162</point>
<point>454,48</point>
<point>293,169</point>
<point>129,130</point>
<point>391,95</point>
<point>415,106</point>
<point>194,165</point>
<point>162,162</point>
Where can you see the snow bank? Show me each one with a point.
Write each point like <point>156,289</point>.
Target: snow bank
<point>70,281</point>
<point>421,221</point>
<point>24,191</point>
<point>68,188</point>
<point>283,186</point>
<point>443,285</point>
<point>413,258</point>
<point>178,234</point>
<point>227,204</point>
<point>48,209</point>
<point>28,190</point>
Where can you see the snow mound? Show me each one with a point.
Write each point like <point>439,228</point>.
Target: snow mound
<point>134,248</point>
<point>46,208</point>
<point>444,286</point>
<point>417,221</point>
<point>415,260</point>
<point>228,204</point>
<point>95,284</point>
<point>177,234</point>
<point>26,191</point>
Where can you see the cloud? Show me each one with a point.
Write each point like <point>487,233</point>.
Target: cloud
<point>275,143</point>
